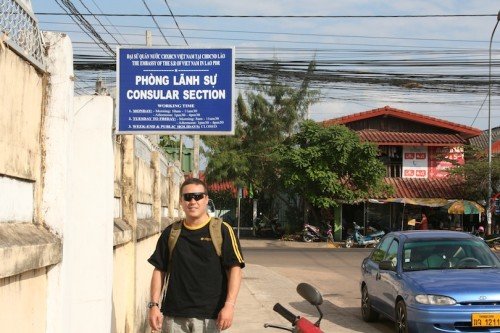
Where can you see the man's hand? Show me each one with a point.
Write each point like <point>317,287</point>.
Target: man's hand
<point>225,317</point>
<point>155,318</point>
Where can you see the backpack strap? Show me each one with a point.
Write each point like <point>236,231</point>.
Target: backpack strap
<point>172,238</point>
<point>216,234</point>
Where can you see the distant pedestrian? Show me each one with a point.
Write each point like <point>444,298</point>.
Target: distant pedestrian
<point>202,286</point>
<point>423,224</point>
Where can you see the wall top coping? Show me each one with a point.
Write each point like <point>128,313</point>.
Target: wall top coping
<point>26,246</point>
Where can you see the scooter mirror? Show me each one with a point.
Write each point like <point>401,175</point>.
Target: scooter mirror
<point>309,293</point>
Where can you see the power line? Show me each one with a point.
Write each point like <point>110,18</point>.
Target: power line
<point>154,19</point>
<point>110,24</point>
<point>177,24</point>
<point>291,33</point>
<point>93,38</point>
<point>81,21</point>
<point>284,16</point>
<point>100,23</point>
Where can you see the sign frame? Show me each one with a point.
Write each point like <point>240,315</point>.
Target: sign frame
<point>216,116</point>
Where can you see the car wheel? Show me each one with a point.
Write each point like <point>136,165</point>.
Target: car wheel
<point>367,311</point>
<point>307,238</point>
<point>349,243</point>
<point>401,318</point>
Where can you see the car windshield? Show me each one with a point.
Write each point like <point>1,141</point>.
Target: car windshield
<point>447,254</point>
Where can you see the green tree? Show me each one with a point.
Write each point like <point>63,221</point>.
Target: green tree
<point>328,166</point>
<point>473,175</point>
<point>265,117</point>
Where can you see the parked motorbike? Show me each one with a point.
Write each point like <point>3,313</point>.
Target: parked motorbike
<point>312,233</point>
<point>266,227</point>
<point>359,239</point>
<point>492,240</point>
<point>301,324</point>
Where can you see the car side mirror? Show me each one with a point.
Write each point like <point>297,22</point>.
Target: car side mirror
<point>386,265</point>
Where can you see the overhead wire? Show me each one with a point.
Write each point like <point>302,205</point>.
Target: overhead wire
<point>110,23</point>
<point>285,16</point>
<point>100,23</point>
<point>177,24</point>
<point>156,22</point>
<point>84,24</point>
<point>292,33</point>
<point>79,25</point>
<point>253,69</point>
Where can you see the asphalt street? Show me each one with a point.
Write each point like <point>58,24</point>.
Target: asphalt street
<point>274,268</point>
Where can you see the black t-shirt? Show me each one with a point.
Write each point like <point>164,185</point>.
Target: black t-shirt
<point>197,287</point>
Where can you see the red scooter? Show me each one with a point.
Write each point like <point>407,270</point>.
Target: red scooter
<point>300,324</point>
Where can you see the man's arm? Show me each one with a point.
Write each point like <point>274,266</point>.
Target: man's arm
<point>225,318</point>
<point>155,317</point>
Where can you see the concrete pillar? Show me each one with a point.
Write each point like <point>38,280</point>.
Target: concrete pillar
<point>155,164</point>
<point>55,146</point>
<point>88,239</point>
<point>171,192</point>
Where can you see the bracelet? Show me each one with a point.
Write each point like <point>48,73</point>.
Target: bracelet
<point>230,303</point>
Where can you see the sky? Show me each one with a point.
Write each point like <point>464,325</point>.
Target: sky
<point>360,58</point>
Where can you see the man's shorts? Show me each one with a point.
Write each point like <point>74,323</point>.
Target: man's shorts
<point>189,325</point>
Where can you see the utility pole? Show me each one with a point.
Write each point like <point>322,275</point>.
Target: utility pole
<point>490,191</point>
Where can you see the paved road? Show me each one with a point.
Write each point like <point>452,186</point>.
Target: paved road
<point>273,271</point>
<point>274,268</point>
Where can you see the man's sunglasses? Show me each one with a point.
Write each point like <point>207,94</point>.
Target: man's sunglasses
<point>196,196</point>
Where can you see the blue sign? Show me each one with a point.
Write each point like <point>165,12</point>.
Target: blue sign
<point>175,91</point>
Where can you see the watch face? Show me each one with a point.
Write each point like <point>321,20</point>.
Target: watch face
<point>151,304</point>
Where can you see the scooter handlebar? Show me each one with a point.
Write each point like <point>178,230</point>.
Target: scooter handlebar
<point>285,313</point>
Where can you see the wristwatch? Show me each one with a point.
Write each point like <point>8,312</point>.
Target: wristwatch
<point>151,304</point>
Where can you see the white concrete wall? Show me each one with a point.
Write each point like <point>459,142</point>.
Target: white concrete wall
<point>16,199</point>
<point>88,236</point>
<point>78,199</point>
<point>56,129</point>
<point>25,291</point>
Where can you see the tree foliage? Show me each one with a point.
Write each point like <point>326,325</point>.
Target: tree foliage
<point>265,117</point>
<point>473,175</point>
<point>330,165</point>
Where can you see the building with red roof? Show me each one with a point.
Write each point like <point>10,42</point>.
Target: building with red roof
<point>412,147</point>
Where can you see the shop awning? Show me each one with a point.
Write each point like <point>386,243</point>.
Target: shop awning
<point>441,188</point>
<point>464,207</point>
<point>429,202</point>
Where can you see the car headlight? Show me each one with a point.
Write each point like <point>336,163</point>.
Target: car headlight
<point>435,300</point>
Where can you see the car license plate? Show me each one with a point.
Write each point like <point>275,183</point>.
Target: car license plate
<point>486,320</point>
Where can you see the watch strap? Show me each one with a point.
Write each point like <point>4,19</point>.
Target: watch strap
<point>151,304</point>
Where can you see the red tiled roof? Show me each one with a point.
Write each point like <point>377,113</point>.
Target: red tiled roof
<point>442,188</point>
<point>482,140</point>
<point>495,148</point>
<point>465,131</point>
<point>405,138</point>
<point>220,186</point>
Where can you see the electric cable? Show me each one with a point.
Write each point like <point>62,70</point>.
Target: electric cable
<point>154,19</point>
<point>177,24</point>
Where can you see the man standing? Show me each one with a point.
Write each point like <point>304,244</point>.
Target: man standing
<point>201,286</point>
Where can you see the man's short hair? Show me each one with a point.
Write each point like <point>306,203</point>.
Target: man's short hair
<point>194,181</point>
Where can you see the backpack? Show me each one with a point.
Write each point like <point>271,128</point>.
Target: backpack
<point>215,234</point>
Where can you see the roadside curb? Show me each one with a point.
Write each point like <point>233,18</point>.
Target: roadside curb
<point>278,243</point>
